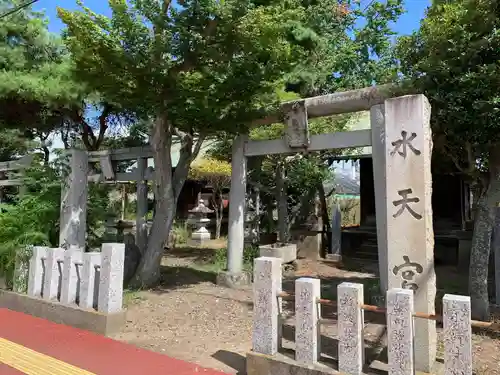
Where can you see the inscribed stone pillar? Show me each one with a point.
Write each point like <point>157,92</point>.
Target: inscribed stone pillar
<point>141,236</point>
<point>350,328</point>
<point>266,337</point>
<point>409,231</point>
<point>377,120</point>
<point>236,230</point>
<point>70,277</point>
<point>89,280</point>
<point>307,315</point>
<point>111,278</point>
<point>73,217</point>
<point>53,274</point>
<point>457,335</point>
<point>36,271</point>
<point>400,333</point>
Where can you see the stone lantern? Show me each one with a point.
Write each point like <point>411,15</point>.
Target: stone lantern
<point>199,220</point>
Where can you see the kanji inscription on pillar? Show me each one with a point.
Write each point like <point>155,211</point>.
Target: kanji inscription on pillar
<point>404,204</point>
<point>408,272</point>
<point>408,225</point>
<point>401,146</point>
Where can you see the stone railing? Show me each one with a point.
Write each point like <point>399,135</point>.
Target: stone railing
<point>90,280</point>
<point>266,339</point>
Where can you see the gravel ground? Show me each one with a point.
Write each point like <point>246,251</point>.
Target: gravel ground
<point>192,319</point>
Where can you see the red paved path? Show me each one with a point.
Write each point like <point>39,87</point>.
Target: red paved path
<point>6,370</point>
<point>87,350</point>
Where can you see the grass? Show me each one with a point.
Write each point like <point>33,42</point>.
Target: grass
<point>218,261</point>
<point>131,296</point>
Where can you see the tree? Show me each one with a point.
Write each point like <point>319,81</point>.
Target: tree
<point>454,60</point>
<point>358,52</point>
<point>192,69</point>
<point>36,89</point>
<point>217,174</point>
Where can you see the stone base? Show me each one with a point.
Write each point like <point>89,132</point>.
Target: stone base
<point>261,364</point>
<point>333,258</point>
<point>287,253</point>
<point>71,315</point>
<point>199,238</point>
<point>233,280</point>
<point>280,364</point>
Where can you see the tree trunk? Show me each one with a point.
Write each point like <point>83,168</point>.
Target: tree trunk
<point>124,202</point>
<point>281,199</point>
<point>167,188</point>
<point>148,271</point>
<point>481,240</point>
<point>218,209</point>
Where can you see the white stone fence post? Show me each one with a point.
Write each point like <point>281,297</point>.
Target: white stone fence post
<point>400,312</point>
<point>89,280</point>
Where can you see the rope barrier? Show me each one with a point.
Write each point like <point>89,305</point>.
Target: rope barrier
<point>492,326</point>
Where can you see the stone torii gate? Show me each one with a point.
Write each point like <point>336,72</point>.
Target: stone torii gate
<point>73,217</point>
<point>401,142</point>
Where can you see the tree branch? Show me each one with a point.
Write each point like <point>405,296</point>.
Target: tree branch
<point>471,167</point>
<point>103,125</point>
<point>187,154</point>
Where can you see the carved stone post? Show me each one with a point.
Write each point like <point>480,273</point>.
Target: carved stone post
<point>408,227</point>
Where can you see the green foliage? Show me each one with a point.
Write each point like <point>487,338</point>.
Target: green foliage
<point>454,59</point>
<point>206,65</point>
<point>180,232</point>
<point>31,220</point>
<point>216,172</point>
<point>36,86</point>
<point>358,48</point>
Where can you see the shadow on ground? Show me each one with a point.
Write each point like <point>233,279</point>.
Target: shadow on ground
<point>194,254</point>
<point>179,276</point>
<point>234,360</point>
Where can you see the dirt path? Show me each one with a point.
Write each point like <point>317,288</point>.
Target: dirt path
<point>192,319</point>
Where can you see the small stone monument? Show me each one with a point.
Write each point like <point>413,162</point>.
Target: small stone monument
<point>199,220</point>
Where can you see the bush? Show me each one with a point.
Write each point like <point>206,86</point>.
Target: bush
<point>33,218</point>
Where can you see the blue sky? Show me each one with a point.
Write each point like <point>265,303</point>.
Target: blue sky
<point>406,24</point>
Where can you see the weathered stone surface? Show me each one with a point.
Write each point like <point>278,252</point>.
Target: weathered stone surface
<point>89,280</point>
<point>400,331</point>
<point>236,218</point>
<point>267,285</point>
<point>307,329</point>
<point>286,253</point>
<point>53,274</point>
<point>73,219</point>
<point>21,270</point>
<point>233,280</point>
<point>409,228</point>
<point>71,315</point>
<point>457,335</point>
<point>279,364</point>
<point>377,123</point>
<point>36,271</point>
<point>111,278</point>
<point>350,328</point>
<point>70,288</point>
